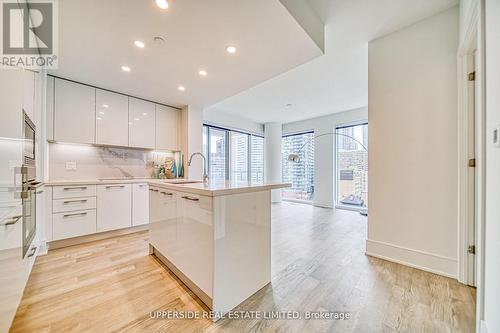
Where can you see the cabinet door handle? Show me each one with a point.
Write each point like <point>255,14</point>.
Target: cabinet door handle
<point>12,221</point>
<point>190,198</point>
<point>32,252</point>
<point>167,193</point>
<point>75,188</point>
<point>74,201</point>
<point>152,190</point>
<point>76,214</point>
<point>40,192</point>
<point>115,186</point>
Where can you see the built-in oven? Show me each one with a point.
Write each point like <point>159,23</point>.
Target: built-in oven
<point>28,172</point>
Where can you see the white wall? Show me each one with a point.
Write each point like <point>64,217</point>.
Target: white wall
<point>413,145</point>
<point>324,149</point>
<point>231,121</point>
<point>492,241</point>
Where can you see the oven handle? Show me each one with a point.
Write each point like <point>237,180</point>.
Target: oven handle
<point>12,221</point>
<point>32,252</point>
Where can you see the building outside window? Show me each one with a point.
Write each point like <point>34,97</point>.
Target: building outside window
<point>300,174</point>
<point>233,155</point>
<point>352,166</point>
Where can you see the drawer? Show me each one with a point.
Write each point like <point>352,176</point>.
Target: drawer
<point>73,204</point>
<point>74,224</point>
<point>66,192</point>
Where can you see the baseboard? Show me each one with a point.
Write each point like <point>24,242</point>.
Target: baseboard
<point>413,258</point>
<point>95,237</point>
<point>483,328</point>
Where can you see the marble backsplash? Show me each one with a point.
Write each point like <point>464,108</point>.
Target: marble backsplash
<point>94,162</point>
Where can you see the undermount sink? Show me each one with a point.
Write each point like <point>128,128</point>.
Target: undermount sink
<point>183,181</point>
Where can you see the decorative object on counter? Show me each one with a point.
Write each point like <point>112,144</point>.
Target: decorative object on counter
<point>174,169</point>
<point>161,174</point>
<point>181,167</point>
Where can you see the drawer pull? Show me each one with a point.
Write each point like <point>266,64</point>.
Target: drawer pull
<point>167,193</point>
<point>190,198</point>
<point>75,188</point>
<point>40,192</point>
<point>76,214</point>
<point>74,201</point>
<point>115,186</point>
<point>32,252</point>
<point>12,221</point>
<point>152,190</point>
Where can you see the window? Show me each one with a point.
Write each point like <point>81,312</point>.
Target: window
<point>233,155</point>
<point>352,166</point>
<point>300,174</point>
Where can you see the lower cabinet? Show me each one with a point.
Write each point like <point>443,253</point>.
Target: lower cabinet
<point>181,229</point>
<point>73,224</point>
<point>114,207</point>
<point>140,204</point>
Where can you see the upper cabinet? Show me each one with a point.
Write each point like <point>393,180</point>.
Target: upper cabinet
<point>167,125</point>
<point>11,103</point>
<point>141,123</point>
<point>74,112</point>
<point>49,106</point>
<point>111,118</point>
<point>29,94</point>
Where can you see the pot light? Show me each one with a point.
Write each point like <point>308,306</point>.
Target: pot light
<point>144,114</point>
<point>231,49</point>
<point>163,4</point>
<point>99,118</point>
<point>136,119</point>
<point>105,106</point>
<point>125,68</point>
<point>181,88</point>
<point>139,44</point>
<point>202,73</point>
<point>101,113</point>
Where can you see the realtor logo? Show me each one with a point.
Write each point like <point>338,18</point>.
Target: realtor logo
<point>29,33</point>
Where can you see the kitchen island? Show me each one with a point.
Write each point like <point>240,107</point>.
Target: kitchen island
<point>215,237</point>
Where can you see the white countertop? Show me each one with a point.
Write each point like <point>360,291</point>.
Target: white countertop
<point>213,188</point>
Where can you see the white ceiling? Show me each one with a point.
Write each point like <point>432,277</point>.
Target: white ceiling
<point>96,38</point>
<point>338,80</point>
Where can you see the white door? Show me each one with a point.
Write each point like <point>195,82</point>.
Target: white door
<point>141,123</point>
<point>114,207</point>
<point>111,118</point>
<point>74,112</point>
<point>167,124</point>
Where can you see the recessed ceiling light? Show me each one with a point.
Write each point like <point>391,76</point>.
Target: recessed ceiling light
<point>105,106</point>
<point>98,118</point>
<point>125,68</point>
<point>289,105</point>
<point>139,44</point>
<point>100,112</point>
<point>144,114</point>
<point>130,123</point>
<point>231,49</point>
<point>203,72</point>
<point>158,40</point>
<point>181,88</point>
<point>163,4</point>
<point>136,119</point>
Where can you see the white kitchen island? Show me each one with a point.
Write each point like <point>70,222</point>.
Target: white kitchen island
<point>215,237</point>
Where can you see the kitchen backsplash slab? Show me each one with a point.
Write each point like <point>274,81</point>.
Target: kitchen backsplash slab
<point>93,162</point>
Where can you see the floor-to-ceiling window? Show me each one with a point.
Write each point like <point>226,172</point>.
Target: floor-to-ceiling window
<point>233,155</point>
<point>352,166</point>
<point>301,173</point>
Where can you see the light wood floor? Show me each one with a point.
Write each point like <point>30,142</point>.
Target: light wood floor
<point>318,264</point>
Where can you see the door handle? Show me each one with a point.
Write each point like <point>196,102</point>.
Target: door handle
<point>12,221</point>
<point>190,198</point>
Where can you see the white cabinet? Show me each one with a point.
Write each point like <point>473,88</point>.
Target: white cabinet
<point>73,191</point>
<point>74,112</point>
<point>140,204</point>
<point>167,125</point>
<point>114,207</point>
<point>11,103</point>
<point>111,118</point>
<point>178,219</point>
<point>141,123</point>
<point>49,107</point>
<point>73,224</point>
<point>29,94</point>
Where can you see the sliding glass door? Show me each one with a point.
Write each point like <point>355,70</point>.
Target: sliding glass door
<point>233,155</point>
<point>352,166</point>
